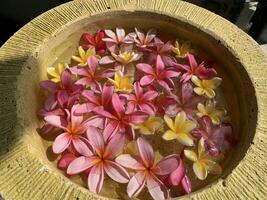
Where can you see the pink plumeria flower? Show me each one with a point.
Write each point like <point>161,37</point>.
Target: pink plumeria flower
<point>95,99</point>
<point>147,171</point>
<point>164,51</point>
<point>186,101</point>
<point>141,100</point>
<point>143,40</point>
<point>65,160</point>
<point>99,160</point>
<point>217,139</point>
<point>119,120</point>
<point>158,74</point>
<point>121,57</point>
<point>90,75</point>
<point>66,92</point>
<point>201,70</point>
<point>74,128</point>
<point>115,39</point>
<point>95,41</point>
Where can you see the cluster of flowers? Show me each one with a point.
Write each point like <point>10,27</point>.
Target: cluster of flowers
<point>122,88</point>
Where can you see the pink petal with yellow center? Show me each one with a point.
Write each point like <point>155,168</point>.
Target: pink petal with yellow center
<point>129,161</point>
<point>81,164</point>
<point>146,152</point>
<point>96,178</point>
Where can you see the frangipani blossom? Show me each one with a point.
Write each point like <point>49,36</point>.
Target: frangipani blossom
<point>74,128</point>
<point>55,72</point>
<point>84,55</point>
<point>203,162</point>
<point>193,69</point>
<point>158,74</point>
<point>115,39</point>
<point>206,87</point>
<point>217,139</point>
<point>147,171</point>
<point>143,40</point>
<point>122,83</point>
<point>90,75</point>
<point>182,49</point>
<point>119,120</point>
<point>210,110</point>
<point>186,101</point>
<point>179,129</point>
<point>99,159</point>
<point>95,41</point>
<point>65,92</point>
<point>121,57</point>
<point>95,99</point>
<point>163,50</point>
<point>149,126</point>
<point>141,100</point>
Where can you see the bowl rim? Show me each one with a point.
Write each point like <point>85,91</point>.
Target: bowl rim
<point>248,175</point>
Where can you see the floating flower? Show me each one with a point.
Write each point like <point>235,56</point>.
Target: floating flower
<point>90,75</point>
<point>203,162</point>
<point>95,41</point>
<point>181,49</point>
<point>99,159</point>
<point>206,87</point>
<point>65,92</point>
<point>210,110</point>
<point>118,38</point>
<point>119,120</point>
<point>201,71</point>
<point>122,83</point>
<point>74,128</point>
<point>158,74</point>
<point>55,72</point>
<point>141,100</point>
<point>179,129</point>
<point>122,57</point>
<point>84,55</point>
<point>150,126</point>
<point>96,99</point>
<point>147,171</point>
<point>217,139</point>
<point>186,101</point>
<point>163,50</point>
<point>143,40</point>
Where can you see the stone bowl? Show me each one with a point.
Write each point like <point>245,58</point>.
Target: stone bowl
<point>25,168</point>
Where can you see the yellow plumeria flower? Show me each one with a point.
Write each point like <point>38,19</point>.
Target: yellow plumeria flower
<point>203,162</point>
<point>210,110</point>
<point>84,55</point>
<point>126,57</point>
<point>122,83</point>
<point>181,50</point>
<point>150,126</point>
<point>55,72</point>
<point>179,129</point>
<point>206,87</point>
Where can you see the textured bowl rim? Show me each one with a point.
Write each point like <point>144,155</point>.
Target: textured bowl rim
<point>247,180</point>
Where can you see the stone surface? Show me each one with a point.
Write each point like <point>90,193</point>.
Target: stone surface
<point>25,171</point>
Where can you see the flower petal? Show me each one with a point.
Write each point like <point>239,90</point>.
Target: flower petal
<point>177,175</point>
<point>191,59</point>
<point>96,178</point>
<point>114,146</point>
<point>129,161</point>
<point>150,95</point>
<point>186,184</point>
<point>92,63</point>
<point>81,164</point>
<point>169,135</point>
<point>120,33</point>
<point>61,143</point>
<point>82,147</point>
<point>65,160</point>
<point>167,165</point>
<point>146,152</point>
<point>118,105</point>
<point>111,128</point>
<point>185,139</point>
<point>116,172</point>
<point>106,60</point>
<point>49,85</point>
<point>156,188</point>
<point>145,68</point>
<point>146,80</point>
<point>96,139</point>
<point>191,155</point>
<point>159,63</point>
<point>169,122</point>
<point>200,170</point>
<point>136,184</point>
<point>56,121</point>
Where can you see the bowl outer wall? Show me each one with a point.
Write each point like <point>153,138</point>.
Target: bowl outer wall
<point>24,176</point>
